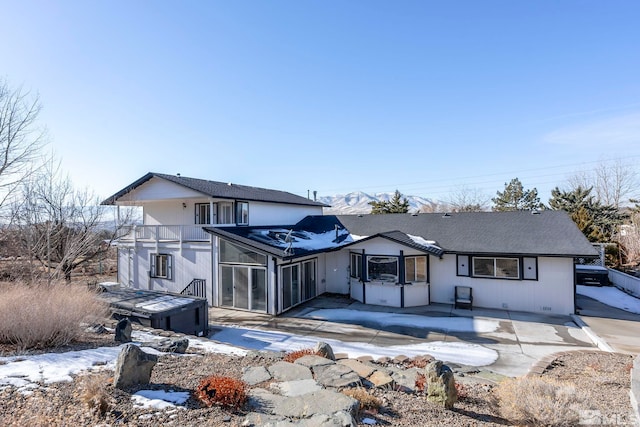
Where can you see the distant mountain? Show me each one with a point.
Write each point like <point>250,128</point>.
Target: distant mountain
<point>357,202</point>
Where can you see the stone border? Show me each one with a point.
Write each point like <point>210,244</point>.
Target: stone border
<point>599,342</point>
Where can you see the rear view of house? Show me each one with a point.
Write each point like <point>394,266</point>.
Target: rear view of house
<point>263,250</point>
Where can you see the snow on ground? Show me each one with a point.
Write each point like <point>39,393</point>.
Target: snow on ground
<point>159,399</point>
<point>445,324</point>
<point>456,352</point>
<point>612,296</point>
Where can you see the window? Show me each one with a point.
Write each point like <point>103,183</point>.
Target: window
<point>508,268</point>
<point>384,269</point>
<point>225,213</point>
<point>161,266</point>
<point>203,213</point>
<point>242,213</point>
<point>232,253</point>
<point>355,267</point>
<point>415,268</point>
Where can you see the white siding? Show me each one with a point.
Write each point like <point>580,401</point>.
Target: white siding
<point>192,262</point>
<point>160,189</point>
<point>261,213</point>
<point>551,293</point>
<point>337,272</point>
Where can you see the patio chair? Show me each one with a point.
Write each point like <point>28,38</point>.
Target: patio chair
<point>463,297</point>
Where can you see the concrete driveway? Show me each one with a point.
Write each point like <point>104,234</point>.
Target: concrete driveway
<point>618,328</point>
<point>520,339</point>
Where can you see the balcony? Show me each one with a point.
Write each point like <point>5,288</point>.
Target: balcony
<point>165,233</point>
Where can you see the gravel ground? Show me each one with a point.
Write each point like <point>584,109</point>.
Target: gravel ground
<point>602,377</point>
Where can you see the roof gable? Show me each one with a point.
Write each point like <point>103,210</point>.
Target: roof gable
<point>215,189</point>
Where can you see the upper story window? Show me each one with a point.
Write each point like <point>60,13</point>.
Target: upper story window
<point>415,268</point>
<point>242,213</point>
<point>225,213</point>
<point>203,213</point>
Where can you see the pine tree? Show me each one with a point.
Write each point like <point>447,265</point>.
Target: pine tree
<point>597,222</point>
<point>516,198</point>
<point>397,204</point>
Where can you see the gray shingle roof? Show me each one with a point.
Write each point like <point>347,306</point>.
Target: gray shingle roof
<point>550,233</point>
<point>221,190</point>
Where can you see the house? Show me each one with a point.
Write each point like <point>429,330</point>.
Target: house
<point>265,250</point>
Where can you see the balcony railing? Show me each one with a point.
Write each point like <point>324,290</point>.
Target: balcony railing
<point>165,233</point>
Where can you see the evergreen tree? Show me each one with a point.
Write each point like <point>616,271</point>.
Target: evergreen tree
<point>597,222</point>
<point>516,198</point>
<point>397,204</point>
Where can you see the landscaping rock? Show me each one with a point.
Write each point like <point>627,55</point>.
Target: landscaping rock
<point>380,379</point>
<point>255,375</point>
<point>337,375</point>
<point>123,331</point>
<point>170,345</point>
<point>133,367</point>
<point>321,402</point>
<point>405,379</point>
<point>97,329</point>
<point>323,349</point>
<point>441,387</point>
<point>360,368</point>
<point>285,371</point>
<point>295,388</point>
<point>339,419</point>
<point>312,361</point>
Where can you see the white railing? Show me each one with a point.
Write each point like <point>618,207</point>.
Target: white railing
<point>166,233</point>
<point>625,281</point>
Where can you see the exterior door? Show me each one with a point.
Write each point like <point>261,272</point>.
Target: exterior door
<point>243,287</point>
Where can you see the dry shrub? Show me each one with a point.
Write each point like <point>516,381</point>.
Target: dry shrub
<point>46,315</point>
<point>224,391</point>
<point>292,356</point>
<point>539,401</point>
<point>92,392</point>
<point>461,391</point>
<point>367,400</point>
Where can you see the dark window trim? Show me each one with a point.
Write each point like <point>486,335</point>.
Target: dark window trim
<point>236,208</point>
<point>351,273</point>
<point>520,259</point>
<point>366,263</point>
<point>153,266</point>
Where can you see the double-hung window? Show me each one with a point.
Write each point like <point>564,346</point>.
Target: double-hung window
<point>203,213</point>
<point>225,213</point>
<point>242,213</point>
<point>161,266</point>
<point>415,268</point>
<point>355,268</point>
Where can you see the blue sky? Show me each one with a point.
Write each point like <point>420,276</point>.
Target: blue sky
<point>333,96</point>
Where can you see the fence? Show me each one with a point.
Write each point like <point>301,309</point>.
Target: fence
<point>626,282</point>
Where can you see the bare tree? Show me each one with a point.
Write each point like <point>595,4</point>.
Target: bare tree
<point>614,182</point>
<point>466,199</point>
<point>630,240</point>
<point>62,228</point>
<point>21,139</point>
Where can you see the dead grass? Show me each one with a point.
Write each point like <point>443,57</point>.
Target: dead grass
<point>44,316</point>
<point>368,401</point>
<point>92,392</point>
<point>539,401</point>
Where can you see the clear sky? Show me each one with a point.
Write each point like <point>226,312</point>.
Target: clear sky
<point>334,96</point>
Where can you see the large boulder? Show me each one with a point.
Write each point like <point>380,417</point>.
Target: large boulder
<point>123,331</point>
<point>133,367</point>
<point>170,345</point>
<point>441,385</point>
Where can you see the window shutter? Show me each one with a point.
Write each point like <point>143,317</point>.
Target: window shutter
<point>152,269</point>
<point>530,268</point>
<point>170,267</point>
<point>463,265</point>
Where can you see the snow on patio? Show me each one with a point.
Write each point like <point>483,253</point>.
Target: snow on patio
<point>456,352</point>
<point>445,324</point>
<point>611,296</point>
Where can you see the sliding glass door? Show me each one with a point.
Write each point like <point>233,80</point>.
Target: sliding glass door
<point>243,287</point>
<point>298,283</point>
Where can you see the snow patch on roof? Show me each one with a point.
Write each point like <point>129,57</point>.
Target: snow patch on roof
<point>419,240</point>
<point>300,239</point>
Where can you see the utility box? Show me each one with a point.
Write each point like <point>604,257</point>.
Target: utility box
<point>160,310</point>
